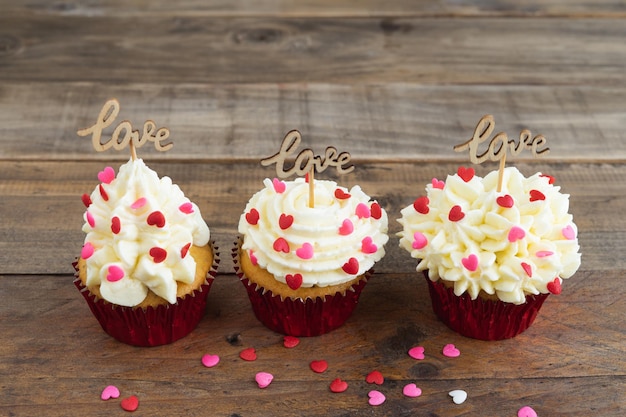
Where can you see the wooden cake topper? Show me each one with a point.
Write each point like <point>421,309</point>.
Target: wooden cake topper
<point>500,145</point>
<point>306,162</point>
<point>131,137</point>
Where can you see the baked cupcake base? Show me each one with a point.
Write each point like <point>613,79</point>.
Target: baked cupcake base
<point>315,311</point>
<point>482,318</point>
<point>155,322</point>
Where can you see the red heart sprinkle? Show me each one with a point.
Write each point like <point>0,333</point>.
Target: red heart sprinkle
<point>285,221</point>
<point>186,208</point>
<point>281,245</point>
<point>306,177</point>
<point>184,250</point>
<point>86,200</point>
<point>115,225</point>
<point>555,286</point>
<point>103,193</point>
<point>290,342</point>
<point>156,218</point>
<point>338,385</point>
<point>536,195</point>
<point>252,217</point>
<point>550,178</point>
<point>341,194</point>
<point>248,354</point>
<point>466,173</point>
<point>294,281</point>
<point>505,201</point>
<point>421,205</point>
<point>351,267</point>
<point>375,377</point>
<point>158,254</point>
<point>456,214</point>
<point>319,366</point>
<point>376,211</point>
<point>130,404</point>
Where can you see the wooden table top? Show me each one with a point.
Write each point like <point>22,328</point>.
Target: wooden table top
<point>395,83</point>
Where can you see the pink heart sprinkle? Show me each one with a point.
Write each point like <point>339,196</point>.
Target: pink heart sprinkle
<point>568,232</point>
<point>516,233</point>
<point>526,411</point>
<point>87,251</point>
<point>362,211</point>
<point>417,352</point>
<point>186,208</point>
<point>109,392</point>
<point>210,361</point>
<point>346,227</point>
<point>376,397</point>
<point>253,258</point>
<point>438,183</point>
<point>367,246</point>
<point>139,203</point>
<point>263,379</point>
<point>419,240</point>
<point>451,351</point>
<point>106,175</point>
<point>90,219</point>
<point>470,263</point>
<point>544,253</point>
<point>115,273</point>
<point>279,186</point>
<point>305,251</point>
<point>528,269</point>
<point>411,390</point>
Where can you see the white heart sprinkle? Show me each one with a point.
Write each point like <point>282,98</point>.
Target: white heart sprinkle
<point>458,396</point>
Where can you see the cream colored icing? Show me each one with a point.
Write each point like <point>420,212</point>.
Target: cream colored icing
<point>126,264</point>
<point>323,228</point>
<point>519,250</point>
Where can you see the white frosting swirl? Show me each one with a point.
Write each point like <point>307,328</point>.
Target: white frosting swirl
<point>329,244</point>
<point>138,230</point>
<point>507,251</point>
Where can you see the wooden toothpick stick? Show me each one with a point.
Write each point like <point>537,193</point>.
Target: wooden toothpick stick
<point>312,187</point>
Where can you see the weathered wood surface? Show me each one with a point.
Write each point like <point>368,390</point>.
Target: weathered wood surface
<point>395,83</point>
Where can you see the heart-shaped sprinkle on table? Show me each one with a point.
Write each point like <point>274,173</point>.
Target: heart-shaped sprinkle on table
<point>263,379</point>
<point>438,183</point>
<point>111,391</point>
<point>367,246</point>
<point>210,361</point>
<point>516,233</point>
<point>293,281</point>
<point>376,211</point>
<point>555,286</point>
<point>115,273</point>
<point>248,354</point>
<point>156,218</point>
<point>285,221</point>
<point>346,227</point>
<point>466,173</point>
<point>130,404</point>
<point>376,397</point>
<point>305,251</point>
<point>341,194</point>
<point>252,217</point>
<point>375,377</point>
<point>421,205</point>
<point>351,267</point>
<point>417,352</point>
<point>526,411</point>
<point>290,342</point>
<point>411,390</point>
<point>363,211</point>
<point>419,240</point>
<point>470,263</point>
<point>116,225</point>
<point>186,208</point>
<point>458,396</point>
<point>281,245</point>
<point>451,351</point>
<point>456,214</point>
<point>505,201</point>
<point>319,366</point>
<point>536,195</point>
<point>87,251</point>
<point>338,385</point>
<point>106,175</point>
<point>279,186</point>
<point>158,254</point>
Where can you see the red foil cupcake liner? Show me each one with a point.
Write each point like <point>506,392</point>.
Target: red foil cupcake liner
<point>479,318</point>
<point>151,326</point>
<point>298,317</point>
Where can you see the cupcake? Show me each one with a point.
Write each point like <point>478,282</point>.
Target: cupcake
<point>490,257</point>
<point>147,263</point>
<point>305,267</point>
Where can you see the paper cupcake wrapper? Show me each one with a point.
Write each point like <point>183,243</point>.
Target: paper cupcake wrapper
<point>299,317</point>
<point>482,319</point>
<point>151,326</point>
